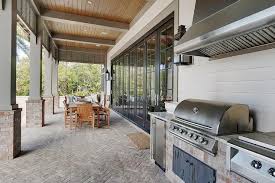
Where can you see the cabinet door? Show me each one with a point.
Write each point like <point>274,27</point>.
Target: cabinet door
<point>160,143</point>
<point>182,165</point>
<point>153,138</point>
<point>204,173</point>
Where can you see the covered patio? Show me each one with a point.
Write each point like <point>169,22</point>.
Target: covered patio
<point>59,31</point>
<point>43,149</point>
<point>54,154</point>
<point>184,91</point>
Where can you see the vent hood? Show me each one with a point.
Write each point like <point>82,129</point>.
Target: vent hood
<point>239,27</point>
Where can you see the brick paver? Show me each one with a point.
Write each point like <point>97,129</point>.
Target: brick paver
<point>54,154</point>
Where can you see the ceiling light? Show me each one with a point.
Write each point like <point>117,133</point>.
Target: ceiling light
<point>89,2</point>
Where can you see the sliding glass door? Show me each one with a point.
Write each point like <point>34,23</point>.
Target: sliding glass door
<point>143,76</point>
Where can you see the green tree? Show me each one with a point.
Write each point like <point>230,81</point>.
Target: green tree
<point>79,79</point>
<point>23,77</point>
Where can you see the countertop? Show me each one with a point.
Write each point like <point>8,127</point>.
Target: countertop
<point>166,116</point>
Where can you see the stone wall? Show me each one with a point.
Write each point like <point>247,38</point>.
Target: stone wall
<point>49,106</point>
<point>218,162</point>
<point>56,103</point>
<point>35,113</point>
<point>10,136</point>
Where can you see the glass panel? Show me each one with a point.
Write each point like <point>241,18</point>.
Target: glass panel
<point>169,79</point>
<point>166,65</point>
<point>169,58</point>
<point>132,84</point>
<point>151,74</point>
<point>126,84</point>
<point>170,36</point>
<point>163,43</point>
<point>162,59</point>
<point>140,76</point>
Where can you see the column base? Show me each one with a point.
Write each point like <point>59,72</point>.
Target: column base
<point>56,103</point>
<point>35,110</point>
<point>49,105</point>
<point>10,136</point>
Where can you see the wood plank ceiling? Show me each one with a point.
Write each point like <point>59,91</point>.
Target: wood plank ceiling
<point>97,21</point>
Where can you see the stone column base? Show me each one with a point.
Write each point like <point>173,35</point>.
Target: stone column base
<point>49,105</point>
<point>35,110</point>
<point>56,103</point>
<point>10,134</point>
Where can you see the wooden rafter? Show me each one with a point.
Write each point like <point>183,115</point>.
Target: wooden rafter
<point>69,18</point>
<point>80,39</point>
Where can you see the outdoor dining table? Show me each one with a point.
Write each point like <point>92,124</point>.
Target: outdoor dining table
<point>73,107</point>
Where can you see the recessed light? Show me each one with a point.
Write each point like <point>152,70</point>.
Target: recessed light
<point>98,45</point>
<point>104,33</point>
<point>90,2</point>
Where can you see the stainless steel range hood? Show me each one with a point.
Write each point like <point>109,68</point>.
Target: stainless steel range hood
<point>241,27</point>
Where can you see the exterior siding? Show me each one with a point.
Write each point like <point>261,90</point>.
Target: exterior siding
<point>248,79</point>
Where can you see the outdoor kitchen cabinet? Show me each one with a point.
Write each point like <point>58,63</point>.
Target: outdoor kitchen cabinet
<point>158,141</point>
<point>191,170</point>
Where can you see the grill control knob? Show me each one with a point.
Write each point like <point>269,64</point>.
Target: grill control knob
<point>172,127</point>
<point>201,139</point>
<point>205,142</point>
<point>195,137</point>
<point>181,130</point>
<point>256,164</point>
<point>271,172</point>
<point>190,134</point>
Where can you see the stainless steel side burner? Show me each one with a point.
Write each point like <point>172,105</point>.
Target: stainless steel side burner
<point>253,157</point>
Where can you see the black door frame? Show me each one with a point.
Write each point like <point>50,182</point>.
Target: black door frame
<point>142,41</point>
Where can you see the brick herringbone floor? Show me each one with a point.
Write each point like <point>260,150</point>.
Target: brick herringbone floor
<point>54,154</point>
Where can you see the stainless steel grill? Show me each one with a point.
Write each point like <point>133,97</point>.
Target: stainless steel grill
<point>199,121</point>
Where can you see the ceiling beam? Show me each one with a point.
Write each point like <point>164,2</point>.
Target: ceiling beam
<point>83,62</point>
<point>80,39</point>
<point>72,56</point>
<point>36,7</point>
<point>83,50</point>
<point>69,18</point>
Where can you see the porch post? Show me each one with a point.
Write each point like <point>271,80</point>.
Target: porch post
<point>55,85</point>
<point>48,95</point>
<point>10,114</point>
<point>35,104</point>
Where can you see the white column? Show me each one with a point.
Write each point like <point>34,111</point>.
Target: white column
<point>35,67</point>
<point>8,56</point>
<point>55,79</point>
<point>35,104</point>
<point>48,75</point>
<point>10,114</point>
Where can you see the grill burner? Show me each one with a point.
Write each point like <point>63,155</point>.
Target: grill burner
<point>198,122</point>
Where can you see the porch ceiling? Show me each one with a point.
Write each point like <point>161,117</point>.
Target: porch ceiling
<point>90,24</point>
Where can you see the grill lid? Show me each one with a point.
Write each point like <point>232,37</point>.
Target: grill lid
<point>214,117</point>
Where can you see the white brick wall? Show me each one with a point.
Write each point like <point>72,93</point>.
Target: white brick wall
<point>248,79</point>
